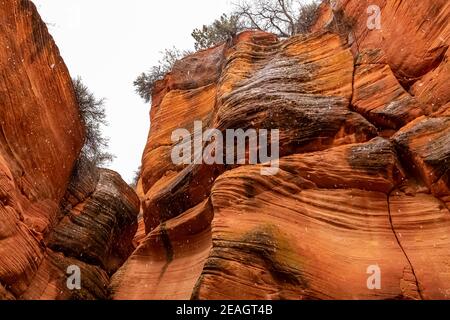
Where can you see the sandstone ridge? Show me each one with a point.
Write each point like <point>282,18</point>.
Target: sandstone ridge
<point>364,169</point>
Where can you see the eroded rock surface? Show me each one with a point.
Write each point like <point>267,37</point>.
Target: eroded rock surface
<point>363,181</point>
<point>40,140</point>
<point>100,229</point>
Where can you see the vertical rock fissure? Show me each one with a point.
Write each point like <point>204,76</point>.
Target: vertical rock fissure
<point>353,84</point>
<point>401,246</point>
<point>169,250</point>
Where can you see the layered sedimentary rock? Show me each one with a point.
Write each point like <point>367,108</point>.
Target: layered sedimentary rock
<point>425,148</point>
<point>414,36</point>
<point>363,181</point>
<point>380,97</point>
<point>41,135</point>
<point>362,186</point>
<point>35,94</point>
<point>99,229</point>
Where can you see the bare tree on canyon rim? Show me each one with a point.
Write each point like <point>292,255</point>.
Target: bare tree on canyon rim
<point>93,116</point>
<point>284,18</point>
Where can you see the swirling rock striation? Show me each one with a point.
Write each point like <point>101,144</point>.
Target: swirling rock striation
<point>363,180</point>
<point>41,135</point>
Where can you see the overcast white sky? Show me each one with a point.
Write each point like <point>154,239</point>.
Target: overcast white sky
<point>109,42</point>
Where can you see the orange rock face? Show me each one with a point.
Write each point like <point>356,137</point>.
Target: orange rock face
<point>414,36</point>
<point>40,139</point>
<point>359,208</point>
<point>35,94</point>
<point>364,158</point>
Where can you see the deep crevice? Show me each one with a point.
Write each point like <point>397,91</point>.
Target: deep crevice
<point>168,248</point>
<point>351,107</point>
<point>401,246</point>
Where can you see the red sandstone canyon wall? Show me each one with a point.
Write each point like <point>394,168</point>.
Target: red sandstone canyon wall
<point>363,174</point>
<point>364,168</point>
<point>48,219</point>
